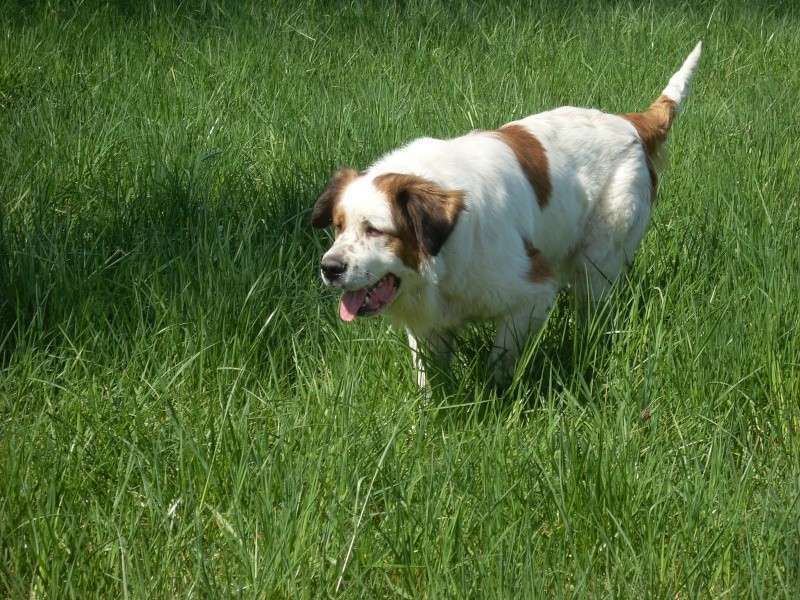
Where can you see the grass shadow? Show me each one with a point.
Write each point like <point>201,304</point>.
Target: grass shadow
<point>181,248</point>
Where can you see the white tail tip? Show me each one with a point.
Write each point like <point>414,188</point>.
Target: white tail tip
<point>679,83</point>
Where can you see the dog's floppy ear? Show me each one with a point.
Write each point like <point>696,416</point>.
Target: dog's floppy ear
<point>322,215</point>
<point>431,210</point>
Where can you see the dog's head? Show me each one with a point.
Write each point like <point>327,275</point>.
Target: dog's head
<point>385,227</point>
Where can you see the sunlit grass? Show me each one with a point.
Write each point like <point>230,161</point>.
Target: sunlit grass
<point>183,415</point>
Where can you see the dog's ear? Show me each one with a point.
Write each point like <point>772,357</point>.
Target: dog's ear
<point>322,215</point>
<point>431,210</point>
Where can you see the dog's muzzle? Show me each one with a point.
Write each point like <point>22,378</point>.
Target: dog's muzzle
<point>332,269</point>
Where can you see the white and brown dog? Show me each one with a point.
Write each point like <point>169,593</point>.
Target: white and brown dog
<point>488,226</point>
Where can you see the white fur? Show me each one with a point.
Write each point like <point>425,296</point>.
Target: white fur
<point>588,231</point>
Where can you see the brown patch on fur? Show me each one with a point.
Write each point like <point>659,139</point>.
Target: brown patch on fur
<point>653,124</point>
<point>339,220</point>
<point>532,159</point>
<point>540,270</point>
<point>652,127</point>
<point>422,211</point>
<point>325,210</point>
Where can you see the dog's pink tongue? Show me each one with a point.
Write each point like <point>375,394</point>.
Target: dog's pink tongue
<point>351,303</point>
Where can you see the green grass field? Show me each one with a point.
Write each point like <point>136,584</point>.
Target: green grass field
<point>182,414</point>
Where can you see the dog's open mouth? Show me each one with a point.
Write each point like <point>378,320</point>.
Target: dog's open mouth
<point>370,300</point>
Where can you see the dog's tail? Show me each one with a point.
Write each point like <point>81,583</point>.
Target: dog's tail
<point>653,124</point>
<point>678,86</point>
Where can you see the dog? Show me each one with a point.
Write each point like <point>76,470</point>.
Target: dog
<point>489,226</point>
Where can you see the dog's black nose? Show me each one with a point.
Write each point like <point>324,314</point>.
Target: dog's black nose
<point>333,268</point>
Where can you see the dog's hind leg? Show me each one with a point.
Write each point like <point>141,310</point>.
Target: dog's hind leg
<point>619,224</point>
<point>517,326</point>
<point>595,281</point>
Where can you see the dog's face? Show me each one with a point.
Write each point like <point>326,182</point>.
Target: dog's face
<point>385,227</point>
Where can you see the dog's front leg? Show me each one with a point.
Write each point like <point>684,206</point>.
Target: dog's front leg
<point>430,352</point>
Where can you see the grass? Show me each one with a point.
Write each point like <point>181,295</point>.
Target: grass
<point>182,414</point>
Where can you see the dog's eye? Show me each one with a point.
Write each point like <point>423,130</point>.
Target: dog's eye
<point>337,229</point>
<point>373,232</point>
